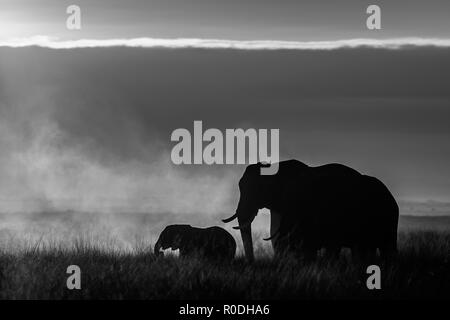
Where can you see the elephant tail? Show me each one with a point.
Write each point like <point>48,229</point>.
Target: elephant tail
<point>385,215</point>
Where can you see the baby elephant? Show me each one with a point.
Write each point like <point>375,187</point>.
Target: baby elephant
<point>212,243</point>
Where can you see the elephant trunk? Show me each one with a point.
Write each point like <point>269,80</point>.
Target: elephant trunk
<point>245,214</point>
<point>246,234</point>
<point>157,249</point>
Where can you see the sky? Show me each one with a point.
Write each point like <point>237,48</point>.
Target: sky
<point>89,129</point>
<point>232,19</point>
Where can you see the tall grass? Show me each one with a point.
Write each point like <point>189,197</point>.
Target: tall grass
<point>37,270</point>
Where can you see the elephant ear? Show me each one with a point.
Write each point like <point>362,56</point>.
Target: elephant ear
<point>182,237</point>
<point>177,241</point>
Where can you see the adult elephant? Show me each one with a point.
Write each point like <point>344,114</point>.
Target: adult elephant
<point>213,243</point>
<point>360,214</point>
<point>325,206</point>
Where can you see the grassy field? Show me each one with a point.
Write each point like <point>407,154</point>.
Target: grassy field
<point>38,271</point>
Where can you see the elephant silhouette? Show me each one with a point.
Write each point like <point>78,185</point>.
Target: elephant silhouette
<point>213,243</point>
<point>329,206</point>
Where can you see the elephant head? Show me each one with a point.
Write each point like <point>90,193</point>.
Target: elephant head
<point>256,192</point>
<point>171,237</point>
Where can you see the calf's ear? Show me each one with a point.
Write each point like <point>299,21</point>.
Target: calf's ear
<point>177,241</point>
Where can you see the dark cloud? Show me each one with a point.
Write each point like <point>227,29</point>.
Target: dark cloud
<point>99,120</point>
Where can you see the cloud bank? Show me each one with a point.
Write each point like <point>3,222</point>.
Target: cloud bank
<point>394,43</point>
<point>89,130</point>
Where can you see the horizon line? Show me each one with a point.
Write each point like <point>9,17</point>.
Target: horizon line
<point>197,43</point>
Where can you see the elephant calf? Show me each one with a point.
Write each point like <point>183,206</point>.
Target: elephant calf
<point>212,243</point>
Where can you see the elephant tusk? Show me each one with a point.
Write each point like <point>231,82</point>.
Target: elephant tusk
<point>272,236</point>
<point>243,226</point>
<point>230,218</point>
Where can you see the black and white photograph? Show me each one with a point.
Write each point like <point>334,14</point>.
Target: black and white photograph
<point>248,151</point>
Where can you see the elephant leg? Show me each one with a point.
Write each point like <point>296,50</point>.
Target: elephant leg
<point>332,251</point>
<point>281,247</point>
<point>388,250</point>
<point>187,250</point>
<point>275,221</point>
<point>388,253</point>
<point>365,253</point>
<point>309,251</point>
